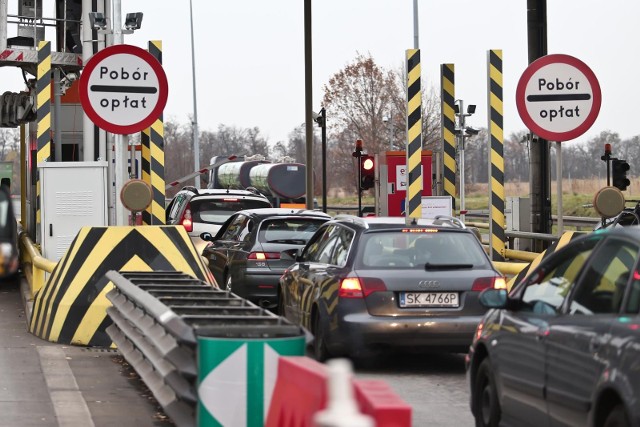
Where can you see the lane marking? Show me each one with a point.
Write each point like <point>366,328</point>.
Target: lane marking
<point>68,403</point>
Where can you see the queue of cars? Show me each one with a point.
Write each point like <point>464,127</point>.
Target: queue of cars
<point>560,348</point>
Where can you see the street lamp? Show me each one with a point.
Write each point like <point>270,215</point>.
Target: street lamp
<point>196,143</point>
<point>461,131</point>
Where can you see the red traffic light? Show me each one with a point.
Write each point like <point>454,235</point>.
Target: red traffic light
<point>367,172</point>
<point>367,163</point>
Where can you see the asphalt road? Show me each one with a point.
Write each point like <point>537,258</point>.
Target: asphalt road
<point>433,384</point>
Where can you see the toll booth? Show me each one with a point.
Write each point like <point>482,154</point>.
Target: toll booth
<point>391,185</point>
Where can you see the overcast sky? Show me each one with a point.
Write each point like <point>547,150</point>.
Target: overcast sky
<point>250,53</point>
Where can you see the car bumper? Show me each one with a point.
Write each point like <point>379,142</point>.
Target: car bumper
<point>258,286</point>
<point>361,330</point>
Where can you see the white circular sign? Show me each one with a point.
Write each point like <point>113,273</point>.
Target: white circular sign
<point>558,97</point>
<point>123,89</point>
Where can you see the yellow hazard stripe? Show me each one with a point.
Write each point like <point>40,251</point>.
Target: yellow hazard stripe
<point>496,153</point>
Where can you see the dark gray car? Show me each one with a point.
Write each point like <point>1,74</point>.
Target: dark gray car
<point>375,283</point>
<point>244,256</point>
<point>562,348</point>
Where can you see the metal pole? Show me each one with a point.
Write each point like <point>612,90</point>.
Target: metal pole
<point>57,93</point>
<point>4,11</point>
<point>559,186</point>
<point>462,130</point>
<point>359,185</point>
<point>196,143</point>
<point>308,94</point>
<point>88,154</point>
<point>415,25</point>
<point>323,114</point>
<point>390,132</point>
<point>120,141</point>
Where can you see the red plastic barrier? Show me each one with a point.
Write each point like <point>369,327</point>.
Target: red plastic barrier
<point>301,391</point>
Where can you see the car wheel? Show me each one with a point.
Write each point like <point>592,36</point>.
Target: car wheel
<point>617,418</point>
<point>485,397</point>
<point>320,352</point>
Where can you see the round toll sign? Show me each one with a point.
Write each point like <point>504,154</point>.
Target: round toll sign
<point>558,97</point>
<point>123,89</point>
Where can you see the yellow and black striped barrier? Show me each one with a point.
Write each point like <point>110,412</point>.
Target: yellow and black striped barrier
<point>562,241</point>
<point>496,157</point>
<point>43,116</point>
<point>71,307</point>
<point>153,159</point>
<point>448,129</point>
<point>414,135</point>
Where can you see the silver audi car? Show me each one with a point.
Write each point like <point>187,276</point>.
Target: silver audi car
<point>375,283</point>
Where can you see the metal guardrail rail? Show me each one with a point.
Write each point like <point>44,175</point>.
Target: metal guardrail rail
<point>157,320</point>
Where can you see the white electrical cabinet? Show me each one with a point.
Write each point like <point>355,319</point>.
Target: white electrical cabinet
<point>73,195</point>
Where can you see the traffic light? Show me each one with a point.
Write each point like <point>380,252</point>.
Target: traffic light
<point>619,172</point>
<point>367,172</point>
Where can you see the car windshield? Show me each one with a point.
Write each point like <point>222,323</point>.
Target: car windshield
<point>420,249</point>
<point>288,230</point>
<point>217,211</point>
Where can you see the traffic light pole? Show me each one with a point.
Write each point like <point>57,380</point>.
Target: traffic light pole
<point>358,155</point>
<point>359,184</point>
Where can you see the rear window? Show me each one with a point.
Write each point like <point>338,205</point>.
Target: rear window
<point>288,230</point>
<point>217,211</point>
<point>414,249</point>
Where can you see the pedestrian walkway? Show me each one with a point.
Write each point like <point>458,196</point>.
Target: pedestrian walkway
<point>46,384</point>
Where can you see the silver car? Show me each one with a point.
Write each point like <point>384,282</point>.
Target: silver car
<point>375,283</point>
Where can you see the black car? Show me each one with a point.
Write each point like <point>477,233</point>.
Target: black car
<point>244,256</point>
<point>562,348</point>
<point>372,283</point>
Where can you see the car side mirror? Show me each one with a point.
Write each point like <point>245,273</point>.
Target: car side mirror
<point>493,298</point>
<point>206,236</point>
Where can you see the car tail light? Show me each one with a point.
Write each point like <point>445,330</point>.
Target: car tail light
<point>185,221</point>
<point>261,256</point>
<point>353,287</point>
<point>350,288</point>
<point>482,283</point>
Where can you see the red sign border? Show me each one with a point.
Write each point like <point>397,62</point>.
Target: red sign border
<point>521,104</point>
<point>163,89</point>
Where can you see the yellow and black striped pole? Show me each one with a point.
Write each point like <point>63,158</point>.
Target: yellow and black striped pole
<point>496,156</point>
<point>152,140</point>
<point>448,129</point>
<point>413,204</point>
<point>43,116</point>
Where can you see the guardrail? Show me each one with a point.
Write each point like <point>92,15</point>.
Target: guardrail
<point>34,265</point>
<point>162,322</point>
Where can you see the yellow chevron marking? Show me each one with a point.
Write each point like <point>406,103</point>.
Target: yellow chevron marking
<point>44,153</point>
<point>495,75</point>
<point>497,132</point>
<point>496,187</point>
<point>496,103</point>
<point>414,103</point>
<point>413,75</point>
<point>497,161</point>
<point>44,96</point>
<point>448,87</point>
<point>54,286</point>
<point>158,127</point>
<point>44,67</point>
<point>94,317</point>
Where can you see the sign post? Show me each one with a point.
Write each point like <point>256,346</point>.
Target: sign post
<point>123,90</point>
<point>558,99</point>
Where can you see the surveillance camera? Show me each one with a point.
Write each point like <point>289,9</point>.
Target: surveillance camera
<point>471,131</point>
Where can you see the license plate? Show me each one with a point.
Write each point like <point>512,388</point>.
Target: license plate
<point>429,299</point>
